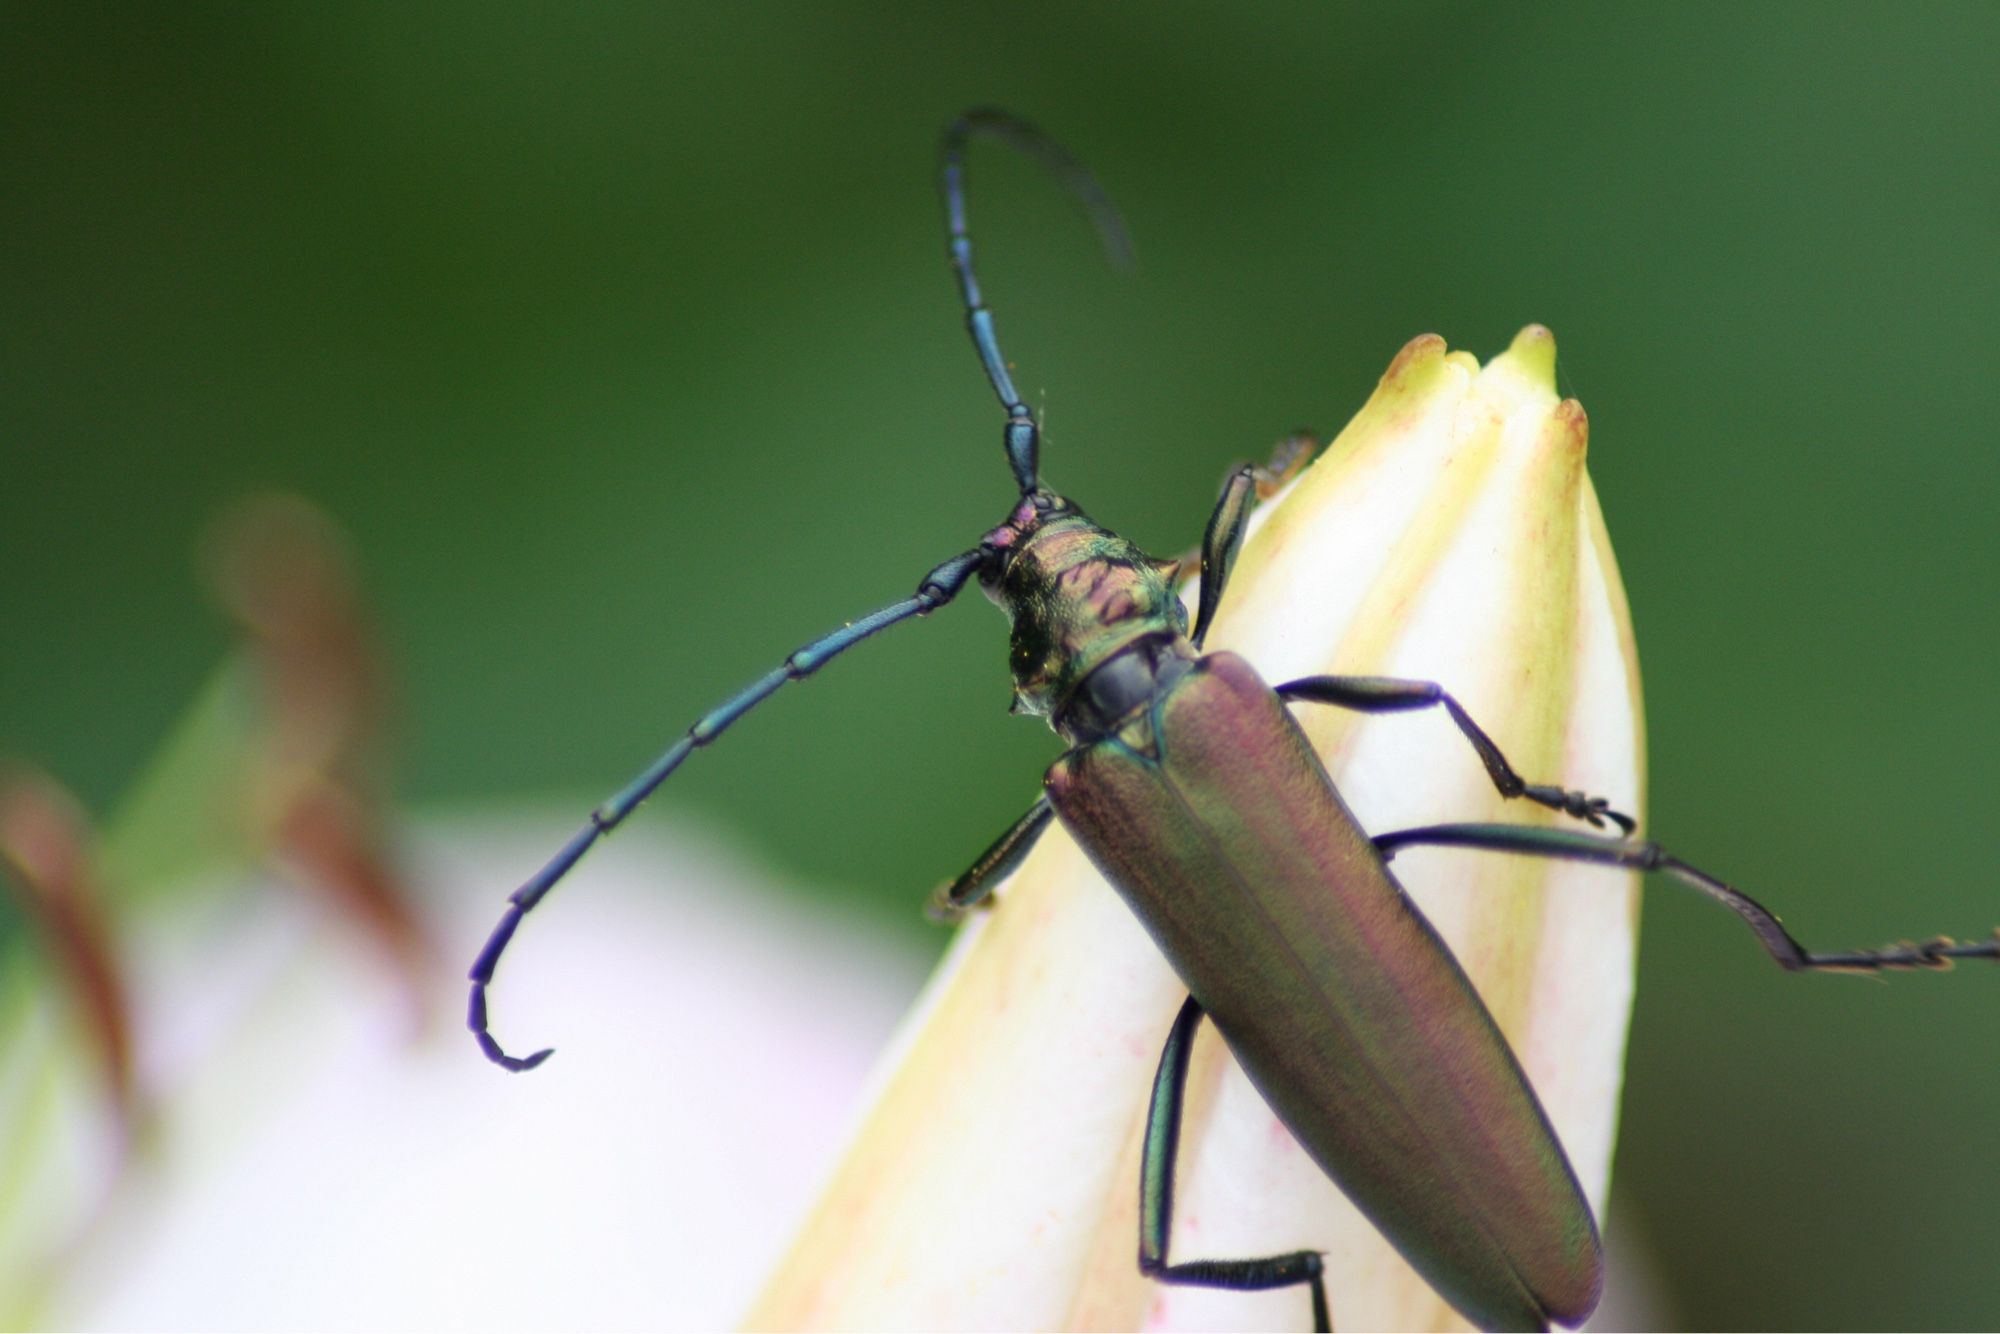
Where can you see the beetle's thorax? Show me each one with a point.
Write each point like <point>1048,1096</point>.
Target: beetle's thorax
<point>1096,620</point>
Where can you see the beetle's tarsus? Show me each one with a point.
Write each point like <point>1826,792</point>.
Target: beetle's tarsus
<point>1593,811</point>
<point>942,910</point>
<point>1933,954</point>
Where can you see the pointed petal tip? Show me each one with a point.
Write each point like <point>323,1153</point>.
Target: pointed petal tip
<point>1534,351</point>
<point>1529,361</point>
<point>1418,352</point>
<point>1531,356</point>
<point>1523,378</point>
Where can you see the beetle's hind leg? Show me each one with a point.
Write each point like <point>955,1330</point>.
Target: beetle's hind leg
<point>1156,1194</point>
<point>1938,953</point>
<point>1000,860</point>
<point>1389,694</point>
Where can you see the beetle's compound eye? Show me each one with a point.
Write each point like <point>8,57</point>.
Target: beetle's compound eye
<point>1048,503</point>
<point>997,549</point>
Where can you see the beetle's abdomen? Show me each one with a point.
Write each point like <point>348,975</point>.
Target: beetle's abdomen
<point>1215,820</point>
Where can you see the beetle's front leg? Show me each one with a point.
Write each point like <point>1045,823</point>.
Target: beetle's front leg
<point>1156,1195</point>
<point>1244,489</point>
<point>1388,694</point>
<point>1000,860</point>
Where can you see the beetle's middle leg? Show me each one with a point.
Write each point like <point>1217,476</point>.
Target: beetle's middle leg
<point>1156,1194</point>
<point>1389,694</point>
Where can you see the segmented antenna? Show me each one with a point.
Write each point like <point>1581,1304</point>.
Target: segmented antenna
<point>1023,435</point>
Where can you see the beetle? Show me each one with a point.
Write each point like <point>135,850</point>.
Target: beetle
<point>1194,792</point>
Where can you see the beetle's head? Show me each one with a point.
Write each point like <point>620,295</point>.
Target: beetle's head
<point>1038,507</point>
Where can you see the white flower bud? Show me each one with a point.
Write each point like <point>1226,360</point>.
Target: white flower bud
<point>1448,534</point>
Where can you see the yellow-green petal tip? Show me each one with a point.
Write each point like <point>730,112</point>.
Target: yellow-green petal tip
<point>1532,356</point>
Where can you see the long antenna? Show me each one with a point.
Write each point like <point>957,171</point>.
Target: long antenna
<point>1023,435</point>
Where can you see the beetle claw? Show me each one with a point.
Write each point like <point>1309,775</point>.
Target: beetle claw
<point>1597,810</point>
<point>1594,811</point>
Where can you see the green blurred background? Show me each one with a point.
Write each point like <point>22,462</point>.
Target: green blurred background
<point>622,341</point>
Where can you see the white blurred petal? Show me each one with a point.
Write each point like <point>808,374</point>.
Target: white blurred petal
<point>317,1171</point>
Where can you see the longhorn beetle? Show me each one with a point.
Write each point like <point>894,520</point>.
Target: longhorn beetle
<point>1197,796</point>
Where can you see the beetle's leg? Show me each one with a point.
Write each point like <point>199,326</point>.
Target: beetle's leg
<point>1388,694</point>
<point>1156,1194</point>
<point>938,587</point>
<point>1288,459</point>
<point>1242,491</point>
<point>1777,942</point>
<point>994,865</point>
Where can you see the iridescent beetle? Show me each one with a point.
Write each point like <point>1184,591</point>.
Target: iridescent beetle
<point>1196,795</point>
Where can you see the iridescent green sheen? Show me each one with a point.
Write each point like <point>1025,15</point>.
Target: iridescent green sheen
<point>1078,596</point>
<point>1210,814</point>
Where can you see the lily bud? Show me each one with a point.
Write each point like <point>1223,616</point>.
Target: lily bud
<point>1448,534</point>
